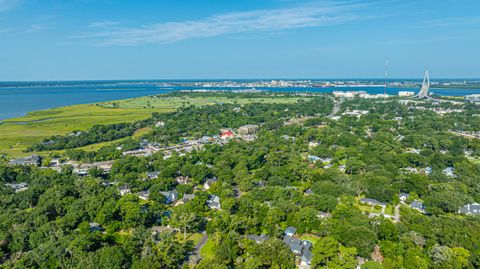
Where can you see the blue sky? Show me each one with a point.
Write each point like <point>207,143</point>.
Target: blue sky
<point>147,39</point>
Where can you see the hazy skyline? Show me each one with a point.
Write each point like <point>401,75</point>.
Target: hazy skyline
<point>114,39</point>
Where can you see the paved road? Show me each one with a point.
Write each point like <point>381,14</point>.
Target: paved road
<point>200,244</point>
<point>336,108</point>
<point>396,216</point>
<point>194,256</point>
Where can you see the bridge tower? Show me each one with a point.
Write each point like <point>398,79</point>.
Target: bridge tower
<point>425,86</point>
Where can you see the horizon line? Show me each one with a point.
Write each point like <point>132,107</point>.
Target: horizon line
<point>234,79</point>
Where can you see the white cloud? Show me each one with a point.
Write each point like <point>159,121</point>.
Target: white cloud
<point>36,28</point>
<point>6,5</point>
<point>111,33</point>
<point>451,21</point>
<point>103,24</point>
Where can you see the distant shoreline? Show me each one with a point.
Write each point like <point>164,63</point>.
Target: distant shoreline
<point>18,102</point>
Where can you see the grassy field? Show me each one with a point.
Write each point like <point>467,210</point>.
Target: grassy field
<point>171,103</point>
<point>208,250</point>
<point>194,237</point>
<point>17,134</point>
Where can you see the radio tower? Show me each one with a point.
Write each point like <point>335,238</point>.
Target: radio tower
<point>386,76</point>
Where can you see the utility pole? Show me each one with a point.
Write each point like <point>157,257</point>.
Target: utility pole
<point>386,76</point>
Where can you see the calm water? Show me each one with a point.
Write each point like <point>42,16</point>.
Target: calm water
<point>18,99</point>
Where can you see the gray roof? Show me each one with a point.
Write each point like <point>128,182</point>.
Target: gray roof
<point>188,197</point>
<point>258,238</point>
<point>144,193</point>
<point>372,202</point>
<point>294,244</point>
<point>30,160</point>
<point>448,171</point>
<point>417,205</point>
<point>290,230</point>
<point>309,191</point>
<point>95,227</point>
<point>307,244</point>
<point>153,175</point>
<point>170,195</point>
<point>307,256</point>
<point>470,209</point>
<point>214,202</point>
<point>17,186</point>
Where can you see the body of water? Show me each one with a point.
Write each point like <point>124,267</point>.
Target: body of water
<point>16,99</point>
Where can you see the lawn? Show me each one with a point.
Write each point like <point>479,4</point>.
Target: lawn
<point>370,209</point>
<point>194,237</point>
<point>312,238</point>
<point>389,210</point>
<point>208,250</point>
<point>17,134</point>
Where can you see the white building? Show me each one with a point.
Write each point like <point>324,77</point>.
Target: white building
<point>405,93</point>
<point>473,98</point>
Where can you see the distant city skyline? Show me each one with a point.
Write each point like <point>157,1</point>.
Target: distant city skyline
<point>271,39</point>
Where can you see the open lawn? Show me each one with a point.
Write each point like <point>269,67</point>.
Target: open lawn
<point>194,237</point>
<point>208,251</point>
<point>310,237</point>
<point>17,134</point>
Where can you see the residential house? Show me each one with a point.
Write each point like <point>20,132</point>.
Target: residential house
<point>18,187</point>
<point>410,170</point>
<point>55,162</point>
<point>324,215</point>
<point>186,198</point>
<point>449,171</point>
<point>294,244</point>
<point>312,144</point>
<point>313,158</point>
<point>470,209</point>
<point>259,239</point>
<point>124,190</point>
<point>308,192</point>
<point>403,196</point>
<point>182,180</point>
<point>94,227</point>
<point>248,129</point>
<point>419,206</point>
<point>227,135</point>
<point>326,160</point>
<point>289,138</point>
<point>427,170</point>
<point>171,196</point>
<point>209,182</point>
<point>82,172</point>
<point>372,202</point>
<point>143,195</point>
<point>153,175</point>
<point>30,160</point>
<point>298,247</point>
<point>214,202</point>
<point>82,169</point>
<point>290,231</point>
<point>306,258</point>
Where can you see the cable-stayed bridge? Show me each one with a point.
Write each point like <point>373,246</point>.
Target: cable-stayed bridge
<point>425,86</point>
